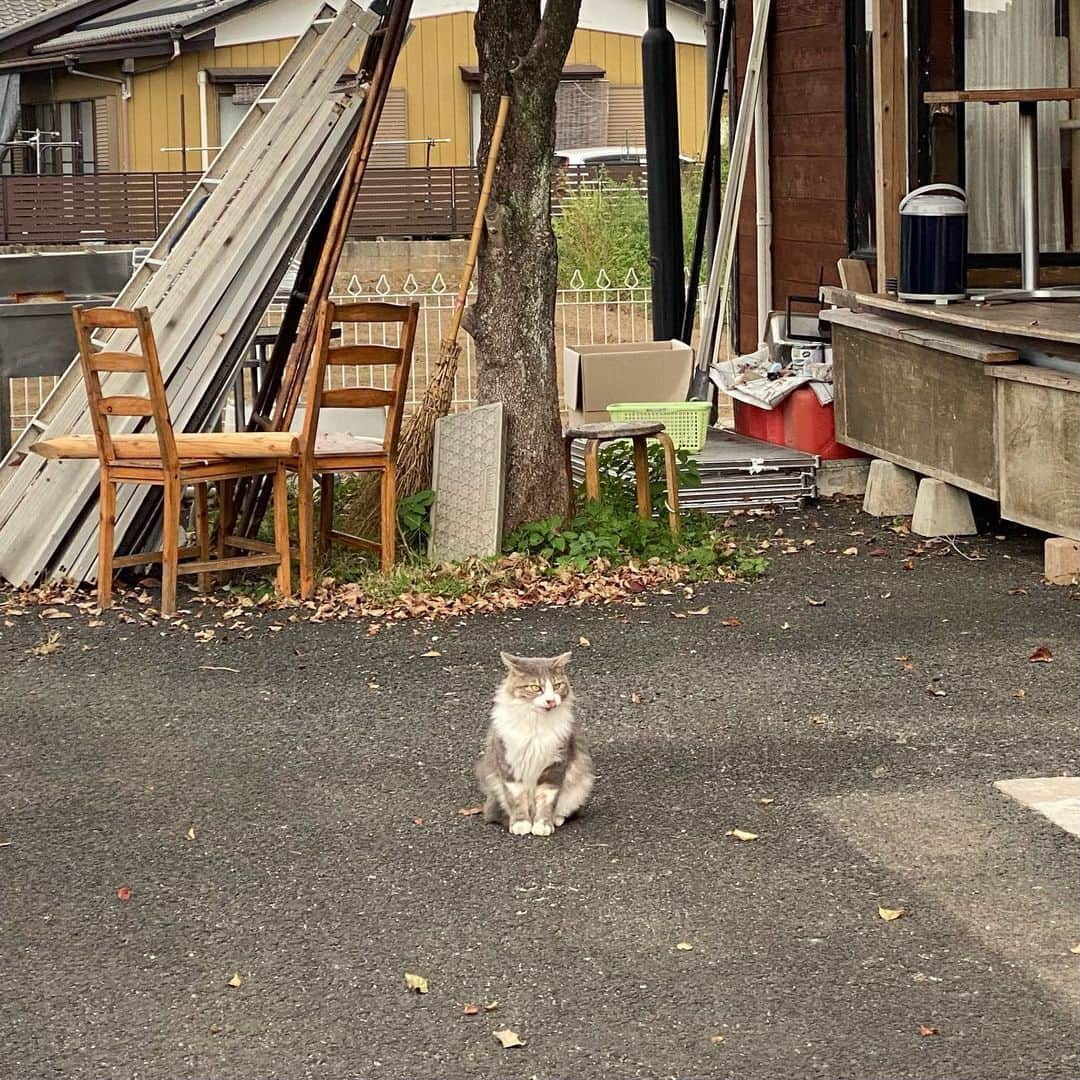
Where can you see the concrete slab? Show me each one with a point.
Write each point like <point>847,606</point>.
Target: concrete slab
<point>845,476</point>
<point>467,475</point>
<point>1055,797</point>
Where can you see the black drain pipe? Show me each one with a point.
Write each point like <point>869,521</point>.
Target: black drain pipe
<point>662,149</point>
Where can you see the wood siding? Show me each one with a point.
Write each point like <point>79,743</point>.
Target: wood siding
<point>436,96</point>
<point>807,154</point>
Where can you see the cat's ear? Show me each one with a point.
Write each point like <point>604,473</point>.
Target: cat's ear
<point>511,662</point>
<point>562,660</point>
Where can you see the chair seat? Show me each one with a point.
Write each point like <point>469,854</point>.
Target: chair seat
<point>341,444</point>
<point>613,429</point>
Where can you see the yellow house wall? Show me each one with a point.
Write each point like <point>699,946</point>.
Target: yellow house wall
<point>437,99</point>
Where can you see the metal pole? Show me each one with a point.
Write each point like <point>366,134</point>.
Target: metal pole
<point>662,152</point>
<point>1029,196</point>
<point>715,56</point>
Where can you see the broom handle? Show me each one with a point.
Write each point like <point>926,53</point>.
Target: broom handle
<point>478,221</point>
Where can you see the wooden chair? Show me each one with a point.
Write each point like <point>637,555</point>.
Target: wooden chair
<point>327,455</point>
<point>168,460</point>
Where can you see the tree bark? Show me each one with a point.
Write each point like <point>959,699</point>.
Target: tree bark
<point>513,322</point>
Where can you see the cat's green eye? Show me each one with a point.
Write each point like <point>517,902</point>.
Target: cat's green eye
<point>533,688</point>
<point>560,687</point>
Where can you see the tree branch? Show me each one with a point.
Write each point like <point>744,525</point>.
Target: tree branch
<point>552,40</point>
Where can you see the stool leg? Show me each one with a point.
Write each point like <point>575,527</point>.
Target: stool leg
<point>671,475</point>
<point>641,475</point>
<point>569,463</point>
<point>592,469</point>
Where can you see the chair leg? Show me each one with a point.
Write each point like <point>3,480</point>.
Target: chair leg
<point>202,533</point>
<point>641,476</point>
<point>106,531</point>
<point>225,514</point>
<point>568,461</point>
<point>326,512</point>
<point>305,514</point>
<point>592,469</point>
<point>170,543</point>
<point>388,517</point>
<point>671,476</point>
<point>281,531</point>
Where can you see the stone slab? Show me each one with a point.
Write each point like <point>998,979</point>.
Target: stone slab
<point>844,476</point>
<point>1055,797</point>
<point>468,476</point>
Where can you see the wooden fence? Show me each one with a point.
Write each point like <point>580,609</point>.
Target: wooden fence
<point>133,208</point>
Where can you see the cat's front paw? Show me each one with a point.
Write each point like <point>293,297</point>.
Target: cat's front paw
<point>521,828</point>
<point>542,828</point>
<point>559,821</point>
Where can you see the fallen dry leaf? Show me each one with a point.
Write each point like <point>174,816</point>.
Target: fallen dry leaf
<point>236,980</point>
<point>1018,591</point>
<point>471,1009</point>
<point>55,613</point>
<point>1042,655</point>
<point>741,834</point>
<point>785,626</point>
<point>584,642</point>
<point>1019,692</point>
<point>936,691</point>
<point>815,603</point>
<point>877,553</point>
<point>491,1006</point>
<point>889,914</point>
<point>123,893</point>
<point>851,551</point>
<point>684,946</point>
<point>678,614</point>
<point>635,697</point>
<point>470,811</point>
<point>508,1038</point>
<point>731,620</point>
<point>416,982</point>
<point>96,622</point>
<point>191,833</point>
<point>418,821</point>
<point>716,1040</point>
<point>817,718</point>
<point>48,646</point>
<point>216,667</point>
<point>431,652</point>
<point>699,611</point>
<point>909,564</point>
<point>766,802</point>
<point>926,1029</point>
<point>1074,949</point>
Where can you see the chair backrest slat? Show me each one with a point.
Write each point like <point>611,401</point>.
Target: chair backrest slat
<point>398,357</point>
<point>103,406</point>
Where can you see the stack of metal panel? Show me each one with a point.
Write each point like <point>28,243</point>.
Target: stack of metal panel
<point>740,472</point>
<point>206,283</point>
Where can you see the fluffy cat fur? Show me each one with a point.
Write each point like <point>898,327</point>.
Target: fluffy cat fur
<point>535,771</point>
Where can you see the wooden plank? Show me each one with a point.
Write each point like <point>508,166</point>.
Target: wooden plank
<point>920,408</point>
<point>362,355</point>
<point>890,133</point>
<point>117,361</point>
<point>127,405</point>
<point>1038,376</point>
<point>189,446</point>
<point>1002,97</point>
<point>356,398</point>
<point>1038,452</point>
<point>855,275</point>
<point>933,338</point>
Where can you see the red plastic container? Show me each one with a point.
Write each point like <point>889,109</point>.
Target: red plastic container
<point>809,426</point>
<point>764,424</point>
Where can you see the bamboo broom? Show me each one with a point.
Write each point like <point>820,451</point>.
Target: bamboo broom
<point>417,440</point>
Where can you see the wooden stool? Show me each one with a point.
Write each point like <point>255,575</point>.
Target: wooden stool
<point>640,432</point>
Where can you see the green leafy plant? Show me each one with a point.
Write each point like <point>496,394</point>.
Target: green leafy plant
<point>414,518</point>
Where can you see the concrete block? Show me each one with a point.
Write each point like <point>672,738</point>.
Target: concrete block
<point>844,476</point>
<point>1061,561</point>
<point>890,490</point>
<point>942,510</point>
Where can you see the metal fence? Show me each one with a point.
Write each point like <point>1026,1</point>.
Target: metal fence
<point>602,311</point>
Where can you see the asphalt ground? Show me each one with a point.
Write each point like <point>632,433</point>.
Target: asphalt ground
<point>322,771</point>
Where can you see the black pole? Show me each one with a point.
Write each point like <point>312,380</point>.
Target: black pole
<point>716,61</point>
<point>662,150</point>
<point>710,170</point>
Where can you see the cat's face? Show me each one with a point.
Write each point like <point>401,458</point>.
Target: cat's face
<point>539,681</point>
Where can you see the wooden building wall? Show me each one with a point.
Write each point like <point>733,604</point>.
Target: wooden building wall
<point>807,153</point>
<point>436,97</point>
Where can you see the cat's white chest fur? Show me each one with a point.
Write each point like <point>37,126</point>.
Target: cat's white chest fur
<point>532,739</point>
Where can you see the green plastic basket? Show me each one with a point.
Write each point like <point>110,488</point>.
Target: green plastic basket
<point>687,422</point>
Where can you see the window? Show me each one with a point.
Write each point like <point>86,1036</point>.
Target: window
<point>63,134</point>
<point>860,129</point>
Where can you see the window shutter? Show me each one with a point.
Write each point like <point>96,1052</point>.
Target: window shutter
<point>626,116</point>
<point>393,127</point>
<point>581,112</point>
<point>103,138</point>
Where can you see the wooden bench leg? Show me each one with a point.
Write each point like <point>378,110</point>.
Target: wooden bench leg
<point>305,517</point>
<point>592,469</point>
<point>225,515</point>
<point>387,517</point>
<point>170,542</point>
<point>106,530</point>
<point>202,534</point>
<point>641,476</point>
<point>326,512</point>
<point>671,477</point>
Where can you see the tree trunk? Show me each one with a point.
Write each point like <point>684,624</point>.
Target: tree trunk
<point>513,322</point>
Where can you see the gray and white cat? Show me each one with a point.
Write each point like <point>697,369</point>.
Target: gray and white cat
<point>536,772</point>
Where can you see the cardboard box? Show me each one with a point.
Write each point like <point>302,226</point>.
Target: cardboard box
<point>595,376</point>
